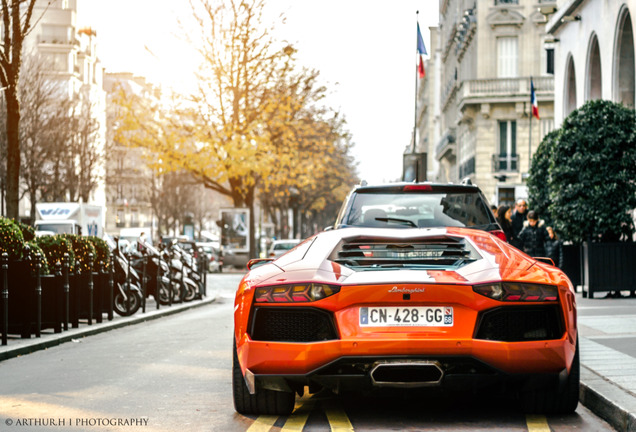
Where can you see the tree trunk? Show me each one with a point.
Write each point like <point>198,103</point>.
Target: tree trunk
<point>13,153</point>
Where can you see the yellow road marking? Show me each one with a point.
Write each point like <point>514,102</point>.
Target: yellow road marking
<point>262,424</point>
<point>296,421</point>
<point>338,420</point>
<point>537,423</point>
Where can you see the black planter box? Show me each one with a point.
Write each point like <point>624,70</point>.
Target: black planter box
<point>608,267</point>
<point>54,303</point>
<point>23,300</point>
<point>572,263</point>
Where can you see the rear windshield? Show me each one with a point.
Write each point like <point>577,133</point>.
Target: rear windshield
<point>422,210</point>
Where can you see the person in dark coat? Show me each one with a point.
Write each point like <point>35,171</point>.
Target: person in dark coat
<point>554,248</point>
<point>504,218</point>
<point>533,236</point>
<point>519,216</point>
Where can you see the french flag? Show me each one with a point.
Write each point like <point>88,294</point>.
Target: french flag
<point>421,49</point>
<point>533,101</point>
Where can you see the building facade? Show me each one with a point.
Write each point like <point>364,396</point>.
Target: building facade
<point>129,179</point>
<point>70,53</point>
<point>594,53</point>
<point>479,122</point>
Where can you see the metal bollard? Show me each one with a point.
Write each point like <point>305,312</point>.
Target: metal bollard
<point>38,295</point>
<point>5,297</point>
<point>158,282</point>
<point>90,288</point>
<point>128,285</point>
<point>144,282</point>
<point>111,286</point>
<point>66,289</point>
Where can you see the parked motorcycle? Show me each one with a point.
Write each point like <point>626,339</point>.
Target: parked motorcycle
<point>127,283</point>
<point>181,273</point>
<point>150,263</point>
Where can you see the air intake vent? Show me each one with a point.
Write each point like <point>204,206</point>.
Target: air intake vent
<point>519,324</point>
<point>440,251</point>
<point>292,324</point>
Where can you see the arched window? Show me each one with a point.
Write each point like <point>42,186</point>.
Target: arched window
<point>623,81</point>
<point>593,87</point>
<point>569,102</point>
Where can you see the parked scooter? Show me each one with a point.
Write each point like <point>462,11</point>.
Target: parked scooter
<point>184,288</point>
<point>149,262</point>
<point>127,283</point>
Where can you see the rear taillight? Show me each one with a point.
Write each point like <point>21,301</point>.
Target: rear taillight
<point>294,293</point>
<point>518,292</point>
<point>499,234</point>
<point>417,187</point>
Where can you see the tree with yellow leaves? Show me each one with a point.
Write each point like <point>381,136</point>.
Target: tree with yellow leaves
<point>254,124</point>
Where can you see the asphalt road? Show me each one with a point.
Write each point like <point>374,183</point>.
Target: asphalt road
<point>174,373</point>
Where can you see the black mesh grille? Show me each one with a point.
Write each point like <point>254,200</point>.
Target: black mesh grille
<point>292,325</point>
<point>390,252</point>
<point>518,324</point>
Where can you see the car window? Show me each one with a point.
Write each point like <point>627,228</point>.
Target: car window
<point>431,209</point>
<point>284,246</point>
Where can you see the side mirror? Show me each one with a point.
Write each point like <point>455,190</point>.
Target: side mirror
<point>257,262</point>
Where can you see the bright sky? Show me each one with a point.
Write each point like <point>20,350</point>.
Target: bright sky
<point>365,51</point>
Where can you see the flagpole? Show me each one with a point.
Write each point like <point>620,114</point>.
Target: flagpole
<point>530,134</point>
<point>416,79</point>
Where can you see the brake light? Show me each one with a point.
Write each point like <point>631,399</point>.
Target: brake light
<point>294,293</point>
<point>499,234</point>
<point>518,292</point>
<point>417,187</point>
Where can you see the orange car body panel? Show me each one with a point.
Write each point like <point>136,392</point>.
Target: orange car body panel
<point>310,262</point>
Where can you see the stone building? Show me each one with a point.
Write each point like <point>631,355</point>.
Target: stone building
<point>70,51</point>
<point>593,52</point>
<point>477,123</point>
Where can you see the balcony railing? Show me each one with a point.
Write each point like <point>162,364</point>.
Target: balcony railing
<point>446,144</point>
<point>504,87</point>
<point>505,162</point>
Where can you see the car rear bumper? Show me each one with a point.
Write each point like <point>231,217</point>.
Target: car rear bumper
<point>280,358</point>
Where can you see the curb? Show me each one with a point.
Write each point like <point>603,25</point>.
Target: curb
<point>26,346</point>
<point>608,401</point>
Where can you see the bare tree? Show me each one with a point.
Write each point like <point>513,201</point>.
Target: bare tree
<point>16,20</point>
<point>41,99</point>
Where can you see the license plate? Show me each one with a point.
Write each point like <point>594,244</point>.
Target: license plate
<point>438,316</point>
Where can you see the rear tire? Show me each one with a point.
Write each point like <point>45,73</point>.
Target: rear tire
<point>190,291</point>
<point>119,303</point>
<point>264,402</point>
<point>553,399</point>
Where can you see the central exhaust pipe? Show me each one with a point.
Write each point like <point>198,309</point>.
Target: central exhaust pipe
<point>406,373</point>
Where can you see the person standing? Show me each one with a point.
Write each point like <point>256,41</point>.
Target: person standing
<point>533,236</point>
<point>554,248</point>
<point>518,218</point>
<point>504,218</point>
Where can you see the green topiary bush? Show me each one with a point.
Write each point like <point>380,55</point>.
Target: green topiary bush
<point>592,172</point>
<point>54,248</point>
<point>102,259</point>
<point>82,249</point>
<point>538,181</point>
<point>11,239</point>
<point>28,232</point>
<point>31,250</point>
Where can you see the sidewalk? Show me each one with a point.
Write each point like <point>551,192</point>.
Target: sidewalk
<point>17,346</point>
<point>608,376</point>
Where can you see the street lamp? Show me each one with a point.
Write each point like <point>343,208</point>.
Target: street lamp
<point>294,197</point>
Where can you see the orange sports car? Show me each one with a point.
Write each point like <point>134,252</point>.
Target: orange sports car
<point>412,288</point>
